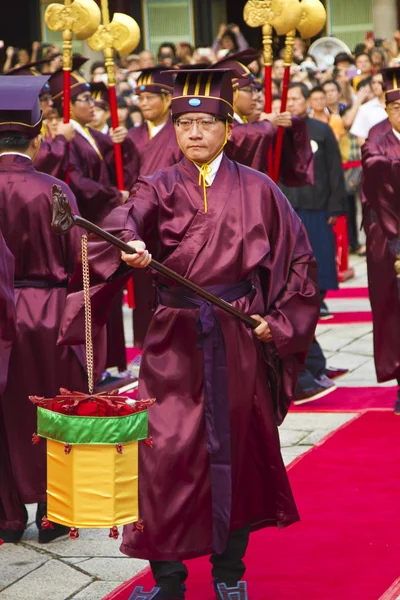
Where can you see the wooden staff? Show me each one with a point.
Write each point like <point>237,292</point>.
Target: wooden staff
<point>63,220</point>
<point>123,35</point>
<point>79,17</point>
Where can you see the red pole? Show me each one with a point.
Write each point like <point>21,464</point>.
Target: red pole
<point>67,107</point>
<point>279,139</point>
<point>268,109</point>
<point>119,167</point>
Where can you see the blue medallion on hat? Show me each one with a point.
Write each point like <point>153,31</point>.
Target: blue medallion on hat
<point>142,88</point>
<point>195,102</point>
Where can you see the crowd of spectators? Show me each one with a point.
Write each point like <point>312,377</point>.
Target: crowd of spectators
<point>346,95</point>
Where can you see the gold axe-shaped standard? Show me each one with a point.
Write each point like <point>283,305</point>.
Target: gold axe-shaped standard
<point>313,18</point>
<point>81,17</point>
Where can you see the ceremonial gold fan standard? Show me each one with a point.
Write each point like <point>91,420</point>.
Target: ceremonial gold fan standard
<point>82,17</point>
<point>122,33</point>
<point>313,18</point>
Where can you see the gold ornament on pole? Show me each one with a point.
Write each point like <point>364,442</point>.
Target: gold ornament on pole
<point>121,34</point>
<point>78,17</point>
<point>313,18</point>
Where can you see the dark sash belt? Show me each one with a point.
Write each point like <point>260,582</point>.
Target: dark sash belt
<point>216,401</point>
<point>39,283</point>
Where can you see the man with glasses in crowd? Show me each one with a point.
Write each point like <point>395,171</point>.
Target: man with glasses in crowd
<point>215,472</point>
<point>381,168</point>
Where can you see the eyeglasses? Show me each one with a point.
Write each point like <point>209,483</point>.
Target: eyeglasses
<point>86,99</point>
<point>46,98</point>
<point>249,90</point>
<point>202,124</point>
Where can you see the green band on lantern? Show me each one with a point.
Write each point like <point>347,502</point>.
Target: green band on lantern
<point>72,429</point>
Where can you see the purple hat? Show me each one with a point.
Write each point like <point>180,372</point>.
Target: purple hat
<point>78,83</point>
<point>238,62</point>
<point>156,81</point>
<point>206,91</point>
<point>31,68</point>
<point>19,104</point>
<point>391,83</point>
<point>100,95</point>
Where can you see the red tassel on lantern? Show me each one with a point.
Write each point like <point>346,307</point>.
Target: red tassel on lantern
<point>46,524</point>
<point>73,533</point>
<point>114,533</point>
<point>149,441</point>
<point>119,448</point>
<point>35,439</point>
<point>139,526</point>
<point>67,448</point>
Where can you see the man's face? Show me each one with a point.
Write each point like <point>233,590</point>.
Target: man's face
<point>100,117</point>
<point>317,101</point>
<point>46,105</point>
<point>296,103</point>
<point>393,112</point>
<point>377,81</point>
<point>83,108</point>
<point>200,136</point>
<point>245,101</point>
<point>279,68</point>
<point>98,74</point>
<point>332,94</point>
<point>146,60</point>
<point>166,57</point>
<point>363,64</point>
<point>153,105</point>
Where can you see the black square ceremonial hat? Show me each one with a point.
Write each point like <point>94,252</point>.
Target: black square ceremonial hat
<point>391,83</point>
<point>100,95</point>
<point>78,83</point>
<point>19,104</point>
<point>204,91</point>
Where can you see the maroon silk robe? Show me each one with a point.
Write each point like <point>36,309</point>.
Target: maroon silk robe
<point>250,142</point>
<point>93,179</point>
<point>52,157</point>
<point>160,152</point>
<point>381,186</point>
<point>7,309</point>
<point>262,241</point>
<point>43,262</point>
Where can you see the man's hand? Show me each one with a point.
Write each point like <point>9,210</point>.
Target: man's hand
<point>10,51</point>
<point>285,119</point>
<point>119,134</point>
<point>271,117</point>
<point>332,220</point>
<point>141,259</point>
<point>235,29</point>
<point>67,130</point>
<point>262,332</point>
<point>125,196</point>
<point>221,31</point>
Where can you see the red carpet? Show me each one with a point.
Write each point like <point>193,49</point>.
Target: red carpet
<point>351,399</point>
<point>348,318</point>
<point>132,353</point>
<point>349,292</point>
<point>347,545</point>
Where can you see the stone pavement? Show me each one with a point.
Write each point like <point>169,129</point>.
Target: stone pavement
<point>90,567</point>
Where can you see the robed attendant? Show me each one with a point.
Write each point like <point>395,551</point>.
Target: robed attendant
<point>250,142</point>
<point>52,157</point>
<point>158,148</point>
<point>381,169</point>
<point>215,471</point>
<point>43,264</point>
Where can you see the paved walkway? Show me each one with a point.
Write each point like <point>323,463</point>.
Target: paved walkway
<point>92,566</point>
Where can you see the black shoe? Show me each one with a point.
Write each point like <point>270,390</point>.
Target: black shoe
<point>238,591</point>
<point>324,313</point>
<point>313,393</point>
<point>169,588</point>
<point>13,536</point>
<point>48,535</point>
<point>333,373</point>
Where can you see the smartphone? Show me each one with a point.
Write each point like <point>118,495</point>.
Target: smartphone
<point>352,72</point>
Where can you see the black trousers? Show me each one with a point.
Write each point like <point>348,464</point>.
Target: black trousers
<point>227,567</point>
<point>315,367</point>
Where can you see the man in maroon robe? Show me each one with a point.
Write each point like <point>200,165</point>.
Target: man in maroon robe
<point>9,494</point>
<point>93,181</point>
<point>52,157</point>
<point>381,170</point>
<point>249,143</point>
<point>43,264</point>
<point>158,149</point>
<point>215,472</point>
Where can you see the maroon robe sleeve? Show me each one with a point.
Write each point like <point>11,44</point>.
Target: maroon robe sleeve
<point>53,157</point>
<point>133,220</point>
<point>130,158</point>
<point>249,144</point>
<point>381,186</point>
<point>7,310</point>
<point>297,164</point>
